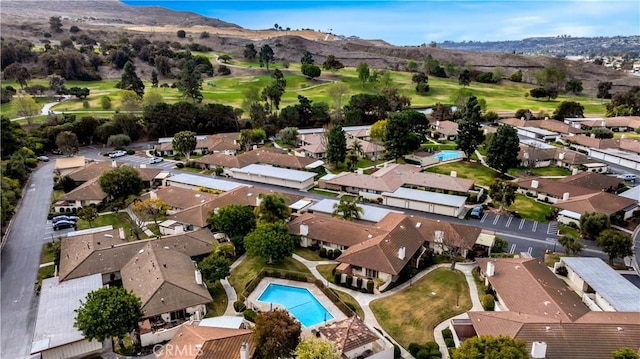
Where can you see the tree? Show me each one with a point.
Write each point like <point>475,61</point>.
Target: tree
<point>154,78</point>
<point>129,100</point>
<point>347,209</point>
<point>67,142</point>
<point>79,92</point>
<point>250,52</point>
<point>271,241</point>
<point>150,208</point>
<point>108,312</point>
<point>307,58</point>
<point>412,66</point>
<point>26,106</point>
<point>119,183</point>
<point>130,80</point>
<point>55,24</point>
<point>503,192</point>
<point>552,78</point>
<point>625,353</point>
<point>276,335</point>
<point>311,71</point>
<point>190,83</point>
<point>503,149</point>
<point>119,140</point>
<point>615,244</point>
<point>538,92</point>
<point>572,245</point>
<point>470,134</point>
<point>316,348</point>
<point>332,64</point>
<point>378,130</point>
<point>604,88</point>
<point>233,220</point>
<point>181,34</point>
<point>397,131</point>
<point>18,73</point>
<point>363,73</point>
<point>601,132</point>
<point>214,267</point>
<point>56,84</point>
<point>272,208</point>
<point>152,98</point>
<point>184,142</point>
<point>337,92</point>
<point>568,109</point>
<point>266,56</point>
<point>486,346</point>
<point>336,145</point>
<point>592,223</point>
<point>464,78</point>
<point>516,76</point>
<point>289,135</point>
<point>574,86</point>
<point>88,213</point>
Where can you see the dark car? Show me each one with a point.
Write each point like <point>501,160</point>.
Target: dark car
<point>64,218</point>
<point>64,224</point>
<point>476,212</point>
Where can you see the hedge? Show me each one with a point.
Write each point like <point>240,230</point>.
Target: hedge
<point>239,306</point>
<point>249,315</point>
<point>488,302</point>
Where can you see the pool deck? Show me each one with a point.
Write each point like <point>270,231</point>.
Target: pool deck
<point>258,306</point>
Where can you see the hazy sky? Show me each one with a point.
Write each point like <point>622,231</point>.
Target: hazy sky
<point>412,22</point>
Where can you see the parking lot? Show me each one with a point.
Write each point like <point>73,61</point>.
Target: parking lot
<point>499,222</point>
<point>50,234</point>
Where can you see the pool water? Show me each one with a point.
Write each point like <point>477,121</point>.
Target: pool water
<point>298,301</point>
<point>447,155</point>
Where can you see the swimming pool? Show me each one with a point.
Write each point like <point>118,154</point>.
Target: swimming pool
<point>298,301</point>
<point>447,155</point>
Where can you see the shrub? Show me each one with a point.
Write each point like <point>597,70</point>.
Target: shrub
<point>322,252</point>
<point>181,34</point>
<point>118,140</point>
<point>446,333</point>
<point>180,165</point>
<point>414,348</point>
<point>370,285</point>
<point>349,280</point>
<point>337,277</point>
<point>249,315</point>
<point>336,253</point>
<point>105,102</point>
<point>85,104</point>
<point>239,306</point>
<point>219,171</point>
<point>423,354</point>
<point>488,302</point>
<point>397,353</point>
<point>450,343</point>
<point>224,70</point>
<point>131,152</point>
<point>359,282</point>
<point>562,271</point>
<point>330,254</point>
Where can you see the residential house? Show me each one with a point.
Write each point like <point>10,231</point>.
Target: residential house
<point>617,156</point>
<point>95,169</point>
<point>630,145</point>
<point>223,143</point>
<point>587,143</point>
<point>445,130</point>
<point>265,156</point>
<point>372,214</point>
<point>354,339</point>
<point>594,181</point>
<point>602,287</point>
<point>534,154</point>
<point>616,124</point>
<point>314,145</point>
<point>179,198</point>
<point>169,286</point>
<point>87,194</point>
<point>551,191</point>
<point>193,182</point>
<point>193,341</point>
<point>538,133</point>
<point>363,133</point>
<point>66,165</point>
<point>616,207</point>
<point>54,335</point>
<point>283,177</point>
<point>546,124</point>
<point>538,307</point>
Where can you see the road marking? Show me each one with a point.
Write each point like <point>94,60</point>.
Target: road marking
<point>552,228</point>
<point>495,221</point>
<point>522,221</point>
<point>513,248</point>
<point>509,222</point>
<point>535,226</point>
<point>484,218</point>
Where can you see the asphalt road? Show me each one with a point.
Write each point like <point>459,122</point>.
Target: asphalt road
<point>20,259</point>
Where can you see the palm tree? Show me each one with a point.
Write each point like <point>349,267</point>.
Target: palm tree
<point>227,250</point>
<point>272,208</point>
<point>347,209</point>
<point>356,146</point>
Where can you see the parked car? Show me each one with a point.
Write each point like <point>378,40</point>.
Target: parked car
<point>476,212</point>
<point>43,158</point>
<point>627,176</point>
<point>64,218</point>
<point>64,224</point>
<point>117,154</point>
<point>156,160</point>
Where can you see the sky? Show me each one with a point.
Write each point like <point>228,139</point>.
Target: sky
<point>413,22</point>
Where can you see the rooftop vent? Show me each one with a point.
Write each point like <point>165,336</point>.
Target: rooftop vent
<point>539,350</point>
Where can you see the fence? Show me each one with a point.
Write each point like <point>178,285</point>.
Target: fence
<point>299,277</point>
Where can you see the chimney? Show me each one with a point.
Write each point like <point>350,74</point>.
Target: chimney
<point>574,171</point>
<point>304,229</point>
<point>539,350</point>
<point>491,269</point>
<point>454,174</point>
<point>561,156</point>
<point>522,118</point>
<point>565,196</point>
<point>534,184</point>
<point>244,351</point>
<point>401,252</point>
<point>593,135</point>
<point>114,164</point>
<point>198,277</point>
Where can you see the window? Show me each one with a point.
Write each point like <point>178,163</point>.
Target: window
<point>178,314</point>
<point>372,273</point>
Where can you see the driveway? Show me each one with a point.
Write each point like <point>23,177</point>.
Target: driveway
<point>20,260</point>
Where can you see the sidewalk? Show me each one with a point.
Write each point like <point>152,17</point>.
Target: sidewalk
<point>232,296</point>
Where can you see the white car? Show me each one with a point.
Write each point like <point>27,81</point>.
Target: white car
<point>156,160</point>
<point>117,154</point>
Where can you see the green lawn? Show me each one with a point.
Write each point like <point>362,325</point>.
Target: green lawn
<point>626,135</point>
<point>323,192</point>
<point>539,171</point>
<point>251,266</point>
<point>568,231</point>
<point>44,273</point>
<point>531,209</point>
<point>436,147</point>
<point>10,109</point>
<point>551,258</point>
<point>49,250</point>
<point>308,254</point>
<point>350,301</point>
<point>484,176</point>
<point>326,270</point>
<point>410,315</point>
<point>365,162</point>
<point>117,220</point>
<point>220,300</point>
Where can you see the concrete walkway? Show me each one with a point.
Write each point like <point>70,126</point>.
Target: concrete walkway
<point>232,296</point>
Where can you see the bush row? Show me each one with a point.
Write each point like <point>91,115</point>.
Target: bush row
<point>329,253</point>
<point>428,350</point>
<point>367,288</point>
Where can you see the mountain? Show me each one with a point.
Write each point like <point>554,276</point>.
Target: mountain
<point>104,12</point>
